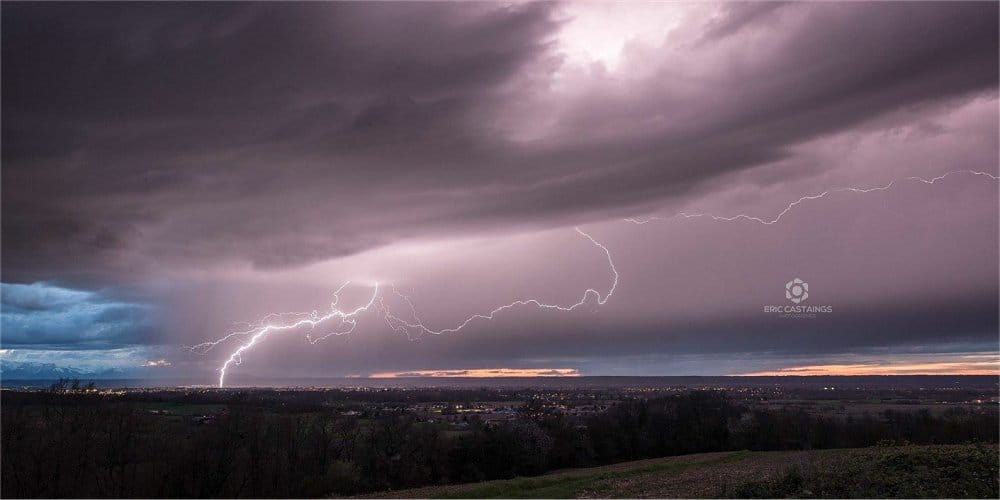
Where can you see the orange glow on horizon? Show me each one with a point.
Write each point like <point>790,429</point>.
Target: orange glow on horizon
<point>483,373</point>
<point>932,368</point>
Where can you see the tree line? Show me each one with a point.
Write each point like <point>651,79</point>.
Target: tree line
<point>82,445</point>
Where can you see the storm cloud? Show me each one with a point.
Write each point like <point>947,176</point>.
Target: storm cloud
<point>223,160</point>
<point>41,316</point>
<point>286,134</point>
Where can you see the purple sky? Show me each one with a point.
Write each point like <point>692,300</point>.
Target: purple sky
<point>172,169</point>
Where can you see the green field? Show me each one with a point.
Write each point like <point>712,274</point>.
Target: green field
<point>956,471</point>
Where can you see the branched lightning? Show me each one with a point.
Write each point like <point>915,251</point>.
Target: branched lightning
<point>267,321</point>
<point>344,322</point>
<point>416,325</point>
<point>313,319</point>
<point>792,205</point>
<point>347,320</point>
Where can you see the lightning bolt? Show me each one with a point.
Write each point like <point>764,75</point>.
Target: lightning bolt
<point>265,322</point>
<point>804,199</point>
<point>414,327</point>
<point>347,320</point>
<point>314,319</point>
<point>400,325</point>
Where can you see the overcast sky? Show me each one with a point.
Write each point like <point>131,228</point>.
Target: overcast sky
<point>173,169</point>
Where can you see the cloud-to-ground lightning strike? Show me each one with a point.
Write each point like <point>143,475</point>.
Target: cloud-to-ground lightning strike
<point>792,205</point>
<point>267,320</point>
<point>314,319</point>
<point>415,327</point>
<point>267,325</point>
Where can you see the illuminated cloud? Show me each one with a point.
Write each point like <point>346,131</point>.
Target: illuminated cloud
<point>981,364</point>
<point>483,373</point>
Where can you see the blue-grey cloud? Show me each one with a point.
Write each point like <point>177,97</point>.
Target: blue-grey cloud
<point>46,316</point>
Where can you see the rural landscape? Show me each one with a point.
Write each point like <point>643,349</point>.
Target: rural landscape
<point>755,437</point>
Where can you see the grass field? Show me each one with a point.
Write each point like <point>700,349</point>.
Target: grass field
<point>185,408</point>
<point>958,471</point>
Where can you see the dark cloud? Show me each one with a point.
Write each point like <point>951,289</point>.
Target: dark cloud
<point>289,133</point>
<point>224,107</point>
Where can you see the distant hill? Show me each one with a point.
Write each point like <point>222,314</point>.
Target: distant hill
<point>988,382</point>
<point>946,471</point>
<point>15,370</point>
<point>44,373</point>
